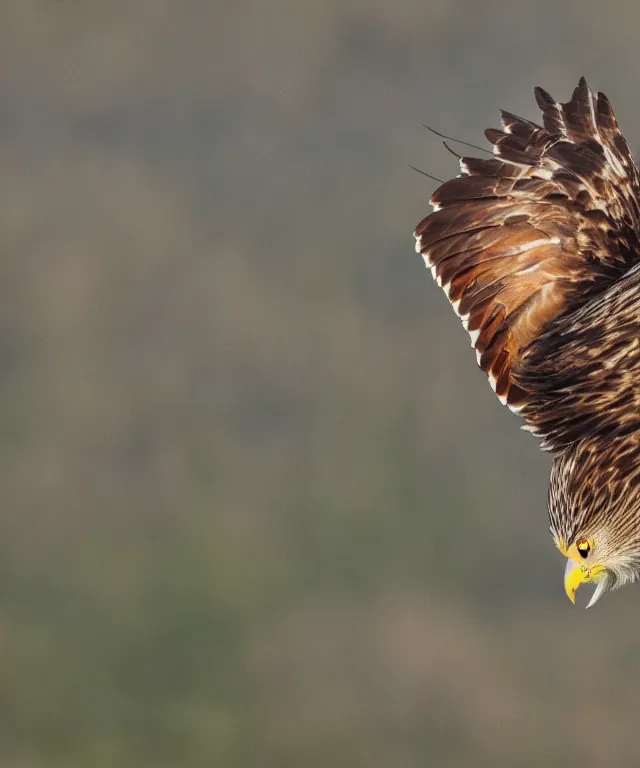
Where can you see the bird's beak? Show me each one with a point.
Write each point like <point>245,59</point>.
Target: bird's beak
<point>576,574</point>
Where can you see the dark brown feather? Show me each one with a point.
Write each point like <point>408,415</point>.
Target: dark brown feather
<point>531,245</point>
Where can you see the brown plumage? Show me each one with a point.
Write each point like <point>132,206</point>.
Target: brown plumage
<point>536,249</point>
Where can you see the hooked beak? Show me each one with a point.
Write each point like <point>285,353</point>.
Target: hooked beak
<point>576,574</point>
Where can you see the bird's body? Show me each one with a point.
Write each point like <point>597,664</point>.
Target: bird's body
<point>538,250</point>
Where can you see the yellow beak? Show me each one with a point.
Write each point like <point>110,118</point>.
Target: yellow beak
<point>576,574</point>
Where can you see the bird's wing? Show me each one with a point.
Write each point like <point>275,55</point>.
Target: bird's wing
<point>584,371</point>
<point>522,239</point>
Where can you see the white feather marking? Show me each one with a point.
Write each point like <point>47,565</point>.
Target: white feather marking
<point>498,152</point>
<point>435,206</point>
<point>494,383</point>
<point>613,161</point>
<point>427,259</point>
<point>474,335</point>
<point>541,173</point>
<point>530,246</point>
<point>558,107</point>
<point>522,166</point>
<point>592,109</point>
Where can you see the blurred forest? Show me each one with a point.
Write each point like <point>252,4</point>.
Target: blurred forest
<point>260,507</point>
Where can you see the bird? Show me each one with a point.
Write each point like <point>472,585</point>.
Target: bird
<point>537,248</point>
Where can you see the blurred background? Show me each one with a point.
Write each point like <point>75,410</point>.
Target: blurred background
<point>259,507</point>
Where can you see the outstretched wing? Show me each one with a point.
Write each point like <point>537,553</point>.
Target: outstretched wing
<point>524,238</point>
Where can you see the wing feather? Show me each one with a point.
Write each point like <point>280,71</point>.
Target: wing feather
<point>536,232</point>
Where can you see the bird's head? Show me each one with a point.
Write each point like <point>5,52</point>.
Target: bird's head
<point>594,514</point>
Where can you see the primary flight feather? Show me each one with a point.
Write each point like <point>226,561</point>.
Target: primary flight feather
<point>538,251</point>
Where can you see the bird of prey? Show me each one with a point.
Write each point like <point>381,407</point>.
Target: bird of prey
<point>538,250</point>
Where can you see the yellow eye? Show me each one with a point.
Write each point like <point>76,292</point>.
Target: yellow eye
<point>583,547</point>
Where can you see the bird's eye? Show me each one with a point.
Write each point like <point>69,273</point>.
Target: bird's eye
<point>583,548</point>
